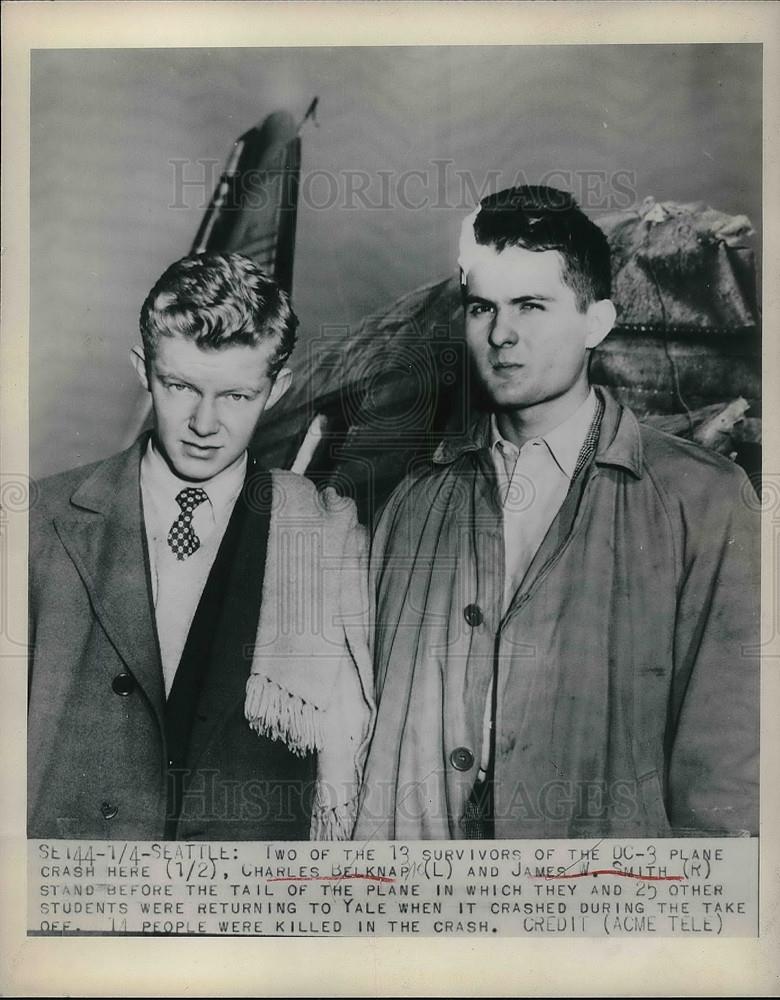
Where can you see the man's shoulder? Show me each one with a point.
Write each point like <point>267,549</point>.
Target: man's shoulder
<point>679,465</point>
<point>419,495</point>
<point>426,478</point>
<point>52,494</point>
<point>693,482</point>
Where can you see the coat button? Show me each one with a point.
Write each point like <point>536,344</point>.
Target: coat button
<point>473,615</point>
<point>123,684</point>
<point>108,810</point>
<point>462,758</point>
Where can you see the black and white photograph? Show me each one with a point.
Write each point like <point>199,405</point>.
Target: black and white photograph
<point>564,565</point>
<point>395,487</point>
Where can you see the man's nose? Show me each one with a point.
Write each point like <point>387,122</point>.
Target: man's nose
<point>502,332</point>
<point>203,419</point>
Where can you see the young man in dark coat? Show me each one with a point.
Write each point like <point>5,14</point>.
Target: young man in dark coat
<point>566,602</point>
<point>198,659</point>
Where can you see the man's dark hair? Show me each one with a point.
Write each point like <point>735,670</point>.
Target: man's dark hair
<point>535,217</point>
<point>217,300</point>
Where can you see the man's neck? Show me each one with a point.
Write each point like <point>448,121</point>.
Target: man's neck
<point>521,425</point>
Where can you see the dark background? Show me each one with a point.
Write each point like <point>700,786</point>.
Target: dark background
<point>615,123</point>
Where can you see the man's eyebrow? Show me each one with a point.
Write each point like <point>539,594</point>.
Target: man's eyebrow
<point>530,298</point>
<point>171,375</point>
<point>518,300</point>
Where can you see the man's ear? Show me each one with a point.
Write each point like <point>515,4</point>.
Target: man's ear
<point>601,317</point>
<point>138,358</point>
<point>280,387</point>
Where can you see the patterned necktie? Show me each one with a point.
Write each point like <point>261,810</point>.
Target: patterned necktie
<point>181,538</point>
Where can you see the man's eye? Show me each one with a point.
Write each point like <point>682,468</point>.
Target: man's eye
<point>478,308</point>
<point>529,306</point>
<point>237,396</point>
<point>178,386</point>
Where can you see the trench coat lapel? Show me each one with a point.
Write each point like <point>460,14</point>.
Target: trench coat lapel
<point>105,539</point>
<point>623,451</point>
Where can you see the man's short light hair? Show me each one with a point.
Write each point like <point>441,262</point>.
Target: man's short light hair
<point>218,300</point>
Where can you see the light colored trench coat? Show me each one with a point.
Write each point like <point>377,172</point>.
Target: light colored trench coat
<point>626,664</point>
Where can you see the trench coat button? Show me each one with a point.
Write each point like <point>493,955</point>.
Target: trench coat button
<point>473,615</point>
<point>123,685</point>
<point>462,759</point>
<point>108,810</point>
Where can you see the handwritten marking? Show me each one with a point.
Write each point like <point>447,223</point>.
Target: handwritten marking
<point>615,871</point>
<point>329,878</point>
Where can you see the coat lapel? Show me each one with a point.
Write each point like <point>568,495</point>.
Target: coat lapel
<point>224,632</point>
<point>105,539</point>
<point>564,521</point>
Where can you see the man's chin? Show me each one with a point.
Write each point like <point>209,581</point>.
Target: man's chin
<point>508,399</point>
<point>197,469</point>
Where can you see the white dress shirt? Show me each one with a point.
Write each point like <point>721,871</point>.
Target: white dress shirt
<point>177,585</point>
<point>533,482</point>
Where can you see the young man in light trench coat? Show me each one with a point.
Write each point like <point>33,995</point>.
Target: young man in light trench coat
<point>565,602</point>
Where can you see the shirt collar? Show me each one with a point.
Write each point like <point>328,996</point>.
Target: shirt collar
<point>164,485</point>
<point>620,442</point>
<point>564,441</point>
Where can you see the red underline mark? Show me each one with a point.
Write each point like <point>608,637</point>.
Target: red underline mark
<point>615,871</point>
<point>329,878</point>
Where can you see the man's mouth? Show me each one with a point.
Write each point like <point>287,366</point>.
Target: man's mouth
<point>204,450</point>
